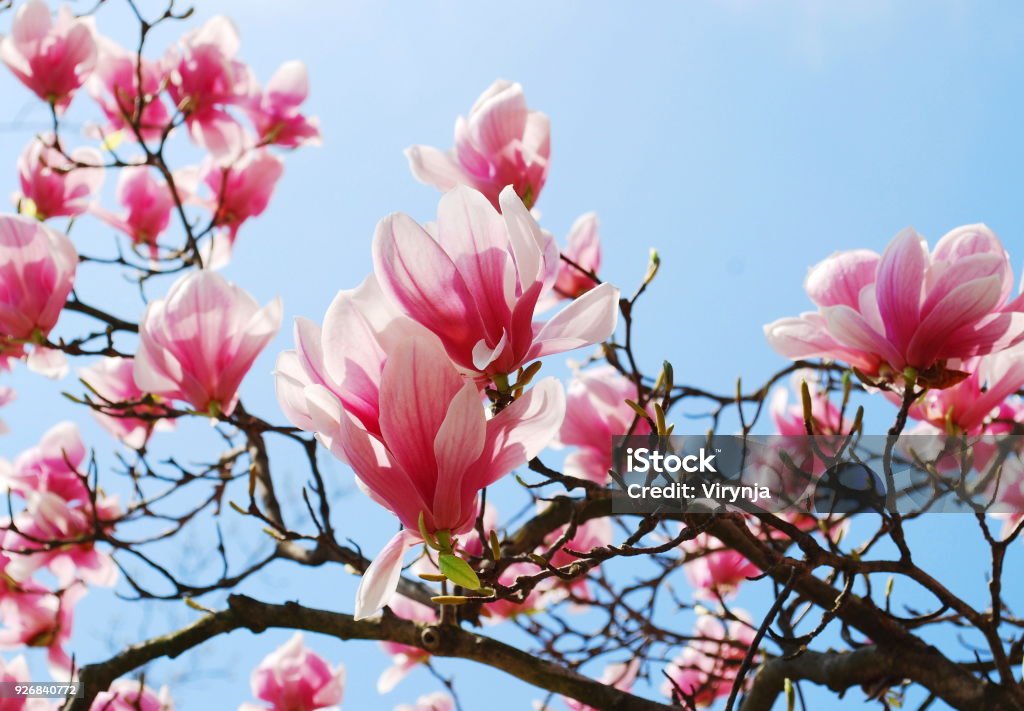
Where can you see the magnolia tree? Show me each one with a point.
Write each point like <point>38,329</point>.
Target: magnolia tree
<point>425,380</point>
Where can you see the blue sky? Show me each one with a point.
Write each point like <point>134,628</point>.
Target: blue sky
<point>744,140</point>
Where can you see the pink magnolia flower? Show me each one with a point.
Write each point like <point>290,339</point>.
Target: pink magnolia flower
<point>501,144</point>
<point>242,189</point>
<point>36,617</point>
<point>148,204</point>
<point>431,449</point>
<point>717,570</point>
<point>437,701</point>
<point>205,79</point>
<point>197,343</point>
<point>51,58</point>
<point>37,271</point>
<point>60,535</point>
<point>16,671</point>
<point>55,465</point>
<point>596,412</point>
<point>112,380</point>
<point>908,308</point>
<point>115,87</point>
<point>294,678</point>
<point>404,658</point>
<point>436,450</point>
<point>534,601</point>
<point>275,112</point>
<point>477,283</point>
<point>619,676</point>
<point>706,669</point>
<point>7,396</point>
<point>584,249</point>
<point>56,187</point>
<point>130,695</point>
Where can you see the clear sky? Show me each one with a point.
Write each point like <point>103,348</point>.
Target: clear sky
<point>744,140</point>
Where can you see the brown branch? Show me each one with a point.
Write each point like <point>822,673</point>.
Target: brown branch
<point>246,613</point>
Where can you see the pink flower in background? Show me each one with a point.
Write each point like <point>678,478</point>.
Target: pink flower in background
<point>707,667</point>
<point>243,189</point>
<point>294,678</point>
<point>536,599</point>
<point>54,465</point>
<point>435,449</point>
<point>826,418</point>
<point>52,58</point>
<point>205,80</point>
<point>502,143</point>
<point>584,249</point>
<point>7,396</point>
<point>131,695</point>
<point>197,343</point>
<point>33,616</point>
<point>115,87</point>
<point>16,671</point>
<point>275,112</point>
<point>112,381</point>
<point>404,657</point>
<point>54,184</point>
<point>619,676</point>
<point>57,534</point>
<point>437,701</point>
<point>595,533</point>
<point>148,204</point>
<point>597,411</point>
<point>717,571</point>
<point>37,271</point>
<point>477,283</point>
<point>970,406</point>
<point>908,308</point>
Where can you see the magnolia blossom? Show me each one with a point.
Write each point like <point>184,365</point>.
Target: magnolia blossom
<point>58,534</point>
<point>619,676</point>
<point>197,343</point>
<point>130,695</point>
<point>502,143</point>
<point>584,249</point>
<point>908,309</point>
<point>706,669</point>
<point>242,189</point>
<point>714,570</point>
<point>56,186</point>
<point>477,283</point>
<point>205,80</point>
<point>595,533</point>
<point>37,271</point>
<point>55,465</point>
<point>436,450</point>
<point>294,678</point>
<point>16,671</point>
<point>33,616</point>
<point>52,58</point>
<point>115,87</point>
<point>148,204</point>
<point>404,657</point>
<point>275,112</point>
<point>597,411</point>
<point>382,395</point>
<point>437,701</point>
